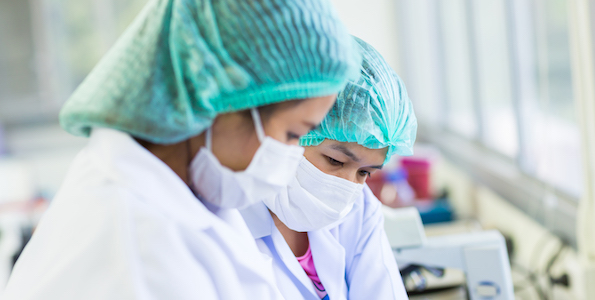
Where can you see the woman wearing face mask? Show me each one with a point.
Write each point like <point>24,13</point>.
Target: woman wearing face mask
<point>195,112</point>
<point>325,232</point>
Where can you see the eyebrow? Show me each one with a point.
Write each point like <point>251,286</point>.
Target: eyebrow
<point>379,167</point>
<point>345,151</point>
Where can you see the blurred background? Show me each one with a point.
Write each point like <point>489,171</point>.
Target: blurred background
<point>496,86</point>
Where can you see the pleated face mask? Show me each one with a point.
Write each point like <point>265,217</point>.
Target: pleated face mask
<point>272,168</point>
<point>314,199</point>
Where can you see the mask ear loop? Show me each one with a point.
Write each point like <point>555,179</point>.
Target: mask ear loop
<point>208,138</point>
<point>257,124</point>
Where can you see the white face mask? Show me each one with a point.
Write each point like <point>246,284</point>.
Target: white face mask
<point>314,200</point>
<point>273,166</point>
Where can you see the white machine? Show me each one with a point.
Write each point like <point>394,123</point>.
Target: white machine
<point>482,256</point>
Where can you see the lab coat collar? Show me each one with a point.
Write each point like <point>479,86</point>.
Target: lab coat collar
<point>127,162</point>
<point>259,220</point>
<point>328,253</point>
<point>329,259</point>
<point>291,262</point>
<point>261,225</point>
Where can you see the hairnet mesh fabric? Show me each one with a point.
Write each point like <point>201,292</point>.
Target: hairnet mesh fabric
<point>182,62</point>
<point>373,111</point>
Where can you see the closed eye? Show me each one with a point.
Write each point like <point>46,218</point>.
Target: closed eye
<point>334,162</point>
<point>292,136</point>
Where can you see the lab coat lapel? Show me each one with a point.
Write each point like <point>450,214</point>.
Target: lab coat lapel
<point>259,220</point>
<point>329,260</point>
<point>292,263</point>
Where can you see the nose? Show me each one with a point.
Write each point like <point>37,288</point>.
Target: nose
<point>348,174</point>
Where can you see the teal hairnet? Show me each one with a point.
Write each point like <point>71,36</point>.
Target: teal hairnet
<point>182,62</point>
<point>373,111</point>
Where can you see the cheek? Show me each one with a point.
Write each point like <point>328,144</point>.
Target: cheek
<point>317,159</point>
<point>249,150</point>
<point>278,131</point>
<point>239,154</point>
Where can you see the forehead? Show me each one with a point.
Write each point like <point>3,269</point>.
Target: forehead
<point>310,110</point>
<point>367,157</point>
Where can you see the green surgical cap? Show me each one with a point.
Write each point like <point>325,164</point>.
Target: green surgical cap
<point>373,111</point>
<point>183,62</point>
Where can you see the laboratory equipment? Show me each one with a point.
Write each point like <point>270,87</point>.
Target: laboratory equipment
<point>391,187</point>
<point>435,211</point>
<point>482,256</point>
<point>403,227</point>
<point>418,169</point>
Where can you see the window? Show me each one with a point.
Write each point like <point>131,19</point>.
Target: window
<point>422,63</point>
<point>498,73</point>
<point>491,43</point>
<point>491,82</point>
<point>458,77</point>
<point>17,58</point>
<point>48,47</point>
<point>555,144</point>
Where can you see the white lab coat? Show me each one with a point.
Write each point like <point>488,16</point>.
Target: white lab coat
<point>353,258</point>
<point>125,226</point>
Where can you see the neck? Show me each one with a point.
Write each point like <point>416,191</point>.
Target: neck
<point>177,156</point>
<point>297,241</point>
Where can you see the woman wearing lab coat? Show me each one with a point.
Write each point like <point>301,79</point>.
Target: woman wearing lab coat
<point>325,232</point>
<point>193,114</point>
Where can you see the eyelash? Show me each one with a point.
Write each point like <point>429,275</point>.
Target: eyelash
<point>334,162</point>
<point>292,136</point>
